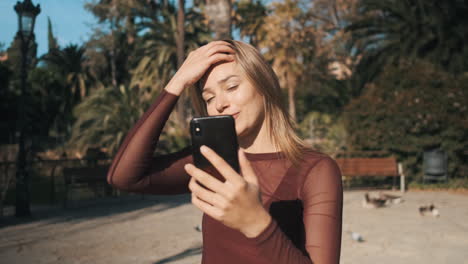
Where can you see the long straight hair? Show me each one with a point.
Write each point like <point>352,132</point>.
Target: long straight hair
<point>259,73</point>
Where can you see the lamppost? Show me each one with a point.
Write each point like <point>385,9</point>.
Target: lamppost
<point>27,13</point>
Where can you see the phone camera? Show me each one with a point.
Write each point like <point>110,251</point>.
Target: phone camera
<point>197,129</point>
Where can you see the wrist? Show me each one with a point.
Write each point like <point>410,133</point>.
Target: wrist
<point>175,87</point>
<point>258,225</point>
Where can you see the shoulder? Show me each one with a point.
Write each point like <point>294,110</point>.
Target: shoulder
<point>318,165</point>
<point>322,174</point>
<point>313,158</point>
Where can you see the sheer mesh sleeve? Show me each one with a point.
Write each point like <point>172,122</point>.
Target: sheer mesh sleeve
<point>134,168</point>
<point>322,197</point>
<point>323,204</point>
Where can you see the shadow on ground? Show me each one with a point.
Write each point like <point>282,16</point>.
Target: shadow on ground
<point>184,254</point>
<point>107,207</point>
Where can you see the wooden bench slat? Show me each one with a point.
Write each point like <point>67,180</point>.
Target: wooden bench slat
<point>368,166</point>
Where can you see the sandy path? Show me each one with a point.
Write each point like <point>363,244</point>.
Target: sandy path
<point>161,230</point>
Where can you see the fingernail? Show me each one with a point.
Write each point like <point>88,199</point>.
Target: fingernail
<point>203,148</point>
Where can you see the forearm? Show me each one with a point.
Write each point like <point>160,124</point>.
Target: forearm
<point>275,247</point>
<point>136,151</point>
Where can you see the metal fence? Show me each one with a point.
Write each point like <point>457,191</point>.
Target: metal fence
<point>46,176</point>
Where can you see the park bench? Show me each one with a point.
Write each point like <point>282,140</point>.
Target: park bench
<point>372,167</point>
<point>93,178</point>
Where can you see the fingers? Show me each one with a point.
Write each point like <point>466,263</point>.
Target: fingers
<point>204,178</point>
<point>206,195</point>
<point>214,43</point>
<point>199,61</point>
<point>220,48</point>
<point>220,57</point>
<point>207,208</point>
<point>221,165</point>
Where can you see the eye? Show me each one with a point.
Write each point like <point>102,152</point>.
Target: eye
<point>209,100</point>
<point>232,87</point>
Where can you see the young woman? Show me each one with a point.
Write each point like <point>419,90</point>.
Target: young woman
<point>286,204</point>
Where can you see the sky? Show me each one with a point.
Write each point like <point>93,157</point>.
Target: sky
<point>71,23</point>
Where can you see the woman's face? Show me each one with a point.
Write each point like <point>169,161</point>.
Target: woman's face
<point>227,92</point>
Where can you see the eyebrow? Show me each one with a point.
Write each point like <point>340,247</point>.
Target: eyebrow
<point>221,81</point>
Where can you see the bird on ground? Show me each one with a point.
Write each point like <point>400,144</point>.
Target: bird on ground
<point>390,198</point>
<point>429,210</point>
<point>371,202</point>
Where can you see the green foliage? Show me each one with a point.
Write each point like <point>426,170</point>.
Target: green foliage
<point>8,103</point>
<point>52,42</point>
<point>158,50</point>
<point>411,108</point>
<point>70,63</point>
<point>104,118</point>
<point>390,30</point>
<point>15,59</point>
<point>49,104</point>
<point>249,18</point>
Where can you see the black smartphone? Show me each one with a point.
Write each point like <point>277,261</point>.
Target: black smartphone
<point>217,133</point>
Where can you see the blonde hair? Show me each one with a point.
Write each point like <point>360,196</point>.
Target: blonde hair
<point>263,78</point>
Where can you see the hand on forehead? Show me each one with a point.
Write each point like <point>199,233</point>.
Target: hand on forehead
<point>219,72</point>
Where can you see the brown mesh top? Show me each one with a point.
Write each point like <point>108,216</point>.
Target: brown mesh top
<point>305,201</point>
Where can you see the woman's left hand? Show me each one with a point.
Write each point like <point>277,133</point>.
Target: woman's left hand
<point>237,201</point>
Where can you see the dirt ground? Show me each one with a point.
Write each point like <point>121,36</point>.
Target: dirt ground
<point>160,229</point>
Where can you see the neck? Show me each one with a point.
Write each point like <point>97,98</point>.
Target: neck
<point>259,141</point>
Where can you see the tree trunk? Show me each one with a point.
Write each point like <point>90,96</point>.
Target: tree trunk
<point>219,17</point>
<point>180,33</point>
<point>181,108</point>
<point>113,60</point>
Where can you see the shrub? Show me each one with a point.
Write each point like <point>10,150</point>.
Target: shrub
<point>411,108</point>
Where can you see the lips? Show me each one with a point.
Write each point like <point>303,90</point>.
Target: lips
<point>235,115</point>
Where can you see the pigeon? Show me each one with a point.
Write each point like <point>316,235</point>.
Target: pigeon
<point>356,236</point>
<point>429,210</point>
<point>369,202</point>
<point>390,199</point>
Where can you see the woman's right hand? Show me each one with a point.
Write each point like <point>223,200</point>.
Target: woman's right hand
<point>197,63</point>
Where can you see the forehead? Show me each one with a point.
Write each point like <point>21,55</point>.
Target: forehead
<point>219,72</point>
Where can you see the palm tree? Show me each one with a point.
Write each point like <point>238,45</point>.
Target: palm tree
<point>104,118</point>
<point>158,52</point>
<point>69,62</point>
<point>391,30</point>
<point>249,18</point>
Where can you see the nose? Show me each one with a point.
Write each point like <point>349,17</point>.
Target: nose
<point>221,103</point>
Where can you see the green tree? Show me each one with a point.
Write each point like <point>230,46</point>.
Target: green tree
<point>114,38</point>
<point>158,51</point>
<point>104,118</point>
<point>70,63</point>
<point>8,100</point>
<point>249,18</point>
<point>408,109</point>
<point>52,42</point>
<point>390,30</point>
